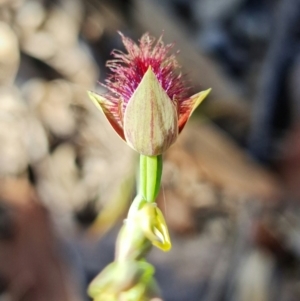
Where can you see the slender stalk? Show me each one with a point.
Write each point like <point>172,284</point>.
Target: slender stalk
<point>150,177</point>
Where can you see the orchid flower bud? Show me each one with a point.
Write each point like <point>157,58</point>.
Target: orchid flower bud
<point>153,224</point>
<point>147,102</point>
<point>128,280</point>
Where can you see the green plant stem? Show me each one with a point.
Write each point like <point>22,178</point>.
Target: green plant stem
<point>150,177</point>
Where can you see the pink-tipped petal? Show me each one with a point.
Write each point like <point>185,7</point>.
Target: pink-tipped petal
<point>191,105</point>
<point>110,110</point>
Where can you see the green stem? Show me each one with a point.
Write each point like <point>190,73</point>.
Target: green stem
<point>150,177</point>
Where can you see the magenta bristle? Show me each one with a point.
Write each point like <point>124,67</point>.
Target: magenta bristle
<point>128,69</point>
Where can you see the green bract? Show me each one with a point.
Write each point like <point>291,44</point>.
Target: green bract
<point>132,244</point>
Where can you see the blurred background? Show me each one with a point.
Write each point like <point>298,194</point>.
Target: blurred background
<point>231,184</point>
